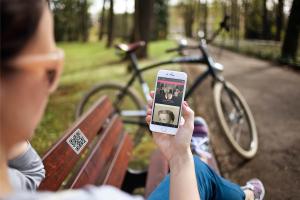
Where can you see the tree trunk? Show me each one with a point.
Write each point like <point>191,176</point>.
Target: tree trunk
<point>279,20</point>
<point>265,20</point>
<point>246,15</point>
<point>142,23</point>
<point>291,39</point>
<point>205,19</point>
<point>188,19</point>
<point>101,21</point>
<point>84,22</point>
<point>235,20</point>
<point>110,25</point>
<point>125,22</point>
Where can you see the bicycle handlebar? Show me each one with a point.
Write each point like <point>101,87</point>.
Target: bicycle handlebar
<point>223,25</point>
<point>173,49</point>
<point>180,48</point>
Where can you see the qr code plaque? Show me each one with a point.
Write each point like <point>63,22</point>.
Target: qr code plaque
<point>77,141</point>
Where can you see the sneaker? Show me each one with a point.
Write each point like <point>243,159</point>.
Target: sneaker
<point>257,187</point>
<point>200,144</point>
<point>200,139</point>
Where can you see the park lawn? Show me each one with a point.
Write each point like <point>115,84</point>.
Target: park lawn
<point>85,65</point>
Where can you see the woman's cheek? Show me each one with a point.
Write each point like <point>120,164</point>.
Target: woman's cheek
<point>34,97</point>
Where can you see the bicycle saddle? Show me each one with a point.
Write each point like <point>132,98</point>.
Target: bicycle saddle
<point>127,48</point>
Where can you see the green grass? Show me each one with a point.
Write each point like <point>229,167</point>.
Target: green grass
<point>85,65</point>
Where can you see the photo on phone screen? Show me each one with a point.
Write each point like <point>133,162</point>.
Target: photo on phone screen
<point>167,103</point>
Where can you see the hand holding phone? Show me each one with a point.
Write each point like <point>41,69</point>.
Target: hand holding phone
<point>169,95</point>
<point>174,145</point>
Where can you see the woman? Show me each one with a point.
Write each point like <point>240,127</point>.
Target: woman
<point>30,68</point>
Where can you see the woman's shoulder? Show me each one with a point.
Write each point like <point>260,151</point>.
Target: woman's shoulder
<point>86,193</point>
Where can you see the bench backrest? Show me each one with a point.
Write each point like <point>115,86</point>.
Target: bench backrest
<point>95,150</point>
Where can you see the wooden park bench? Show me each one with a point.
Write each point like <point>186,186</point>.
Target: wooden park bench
<point>96,150</point>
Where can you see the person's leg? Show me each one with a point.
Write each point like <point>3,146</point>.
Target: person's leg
<point>210,185</point>
<point>219,188</point>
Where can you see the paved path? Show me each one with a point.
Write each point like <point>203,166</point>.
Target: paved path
<point>273,94</point>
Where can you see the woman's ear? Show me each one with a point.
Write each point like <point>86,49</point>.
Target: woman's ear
<point>51,76</point>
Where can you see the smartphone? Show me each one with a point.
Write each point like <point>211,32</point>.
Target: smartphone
<point>169,94</point>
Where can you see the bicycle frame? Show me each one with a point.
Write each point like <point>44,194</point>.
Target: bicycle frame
<point>204,59</point>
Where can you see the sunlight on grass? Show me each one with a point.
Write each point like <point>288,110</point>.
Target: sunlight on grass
<point>85,65</point>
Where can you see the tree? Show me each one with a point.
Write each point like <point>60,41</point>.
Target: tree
<point>84,20</point>
<point>205,16</point>
<point>110,24</point>
<point>142,23</point>
<point>160,20</point>
<point>125,21</point>
<point>189,16</point>
<point>246,5</point>
<point>253,21</point>
<point>71,19</point>
<point>279,19</point>
<point>265,20</point>
<point>235,22</point>
<point>101,21</point>
<point>291,39</point>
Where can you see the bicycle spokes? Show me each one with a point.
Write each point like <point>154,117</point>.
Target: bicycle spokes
<point>235,117</point>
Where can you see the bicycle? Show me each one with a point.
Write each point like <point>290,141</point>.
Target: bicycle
<point>232,110</point>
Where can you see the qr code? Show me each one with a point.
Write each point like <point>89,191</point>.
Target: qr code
<point>77,141</point>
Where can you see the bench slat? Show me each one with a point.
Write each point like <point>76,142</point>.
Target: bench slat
<point>61,158</point>
<point>118,168</point>
<point>99,158</point>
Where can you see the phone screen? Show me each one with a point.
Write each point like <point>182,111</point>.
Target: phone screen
<point>167,102</point>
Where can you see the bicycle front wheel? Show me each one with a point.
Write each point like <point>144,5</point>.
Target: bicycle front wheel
<point>130,106</point>
<point>236,119</point>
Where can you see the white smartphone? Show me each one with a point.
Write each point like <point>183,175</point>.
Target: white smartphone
<point>169,94</point>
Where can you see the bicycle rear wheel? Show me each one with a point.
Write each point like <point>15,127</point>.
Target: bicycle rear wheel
<point>236,119</point>
<point>131,104</point>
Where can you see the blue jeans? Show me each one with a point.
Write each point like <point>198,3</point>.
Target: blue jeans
<point>210,185</point>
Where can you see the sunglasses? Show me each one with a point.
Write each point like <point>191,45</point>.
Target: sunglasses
<point>52,63</point>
